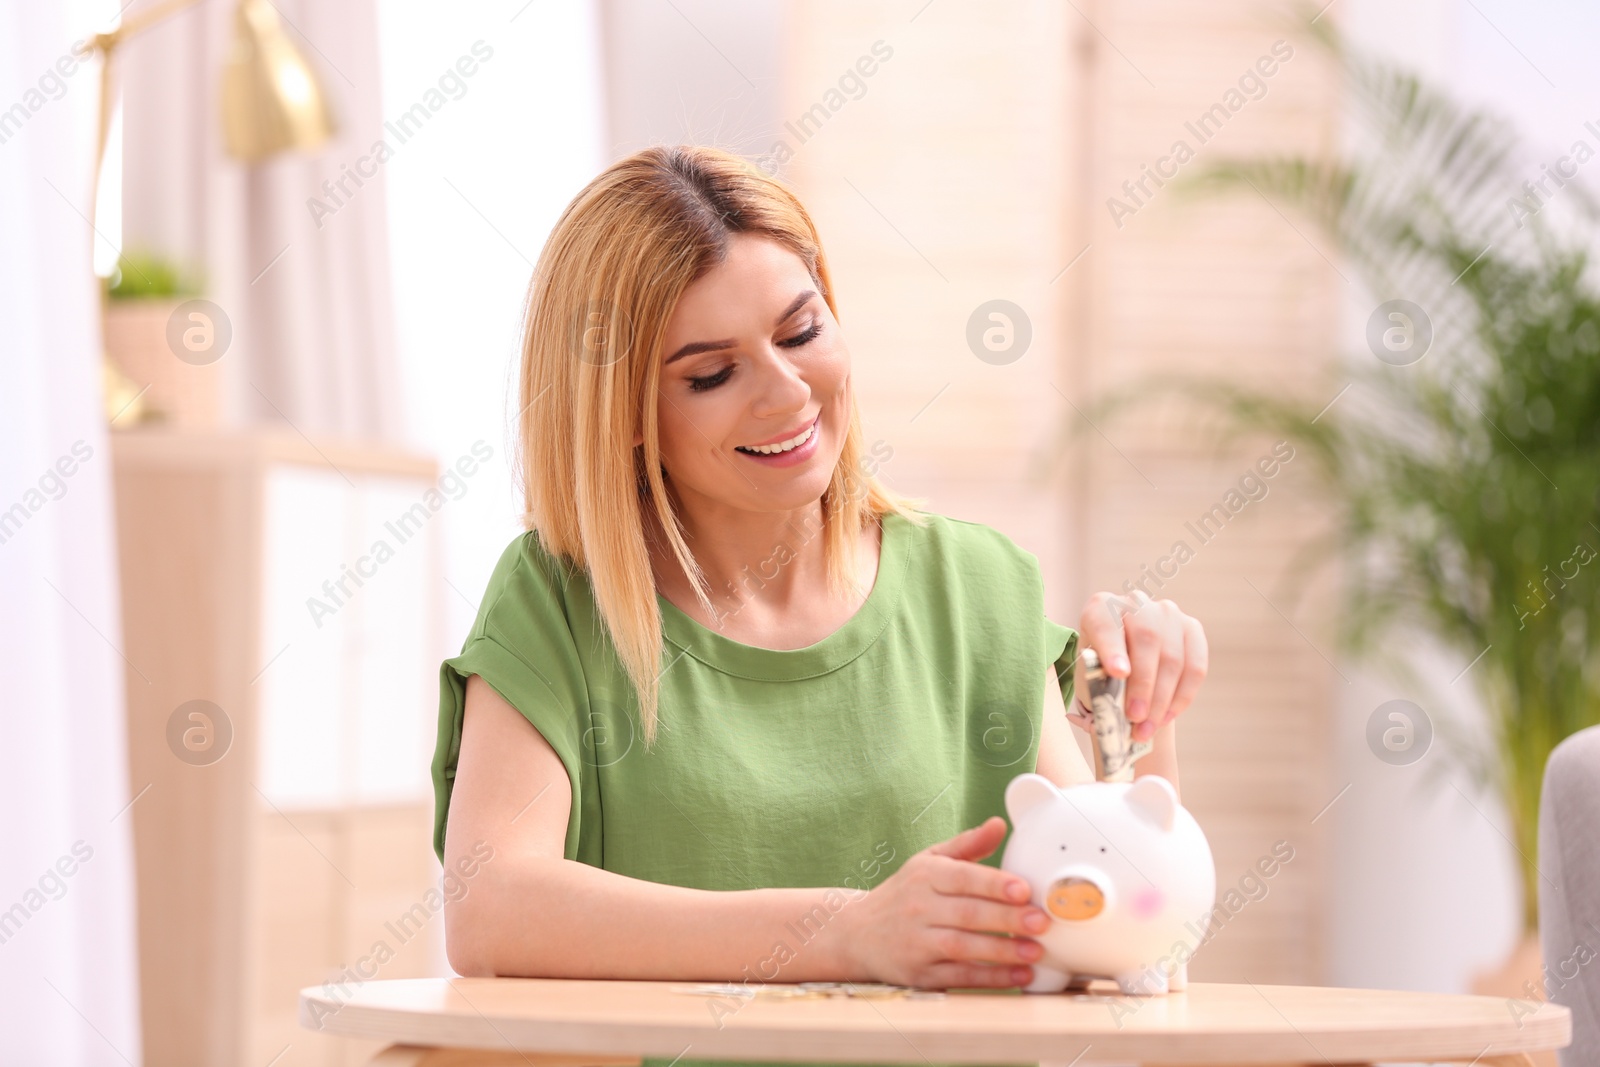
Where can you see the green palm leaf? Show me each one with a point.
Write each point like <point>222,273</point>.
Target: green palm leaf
<point>1468,482</point>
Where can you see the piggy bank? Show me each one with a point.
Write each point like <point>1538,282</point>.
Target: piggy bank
<point>1123,871</point>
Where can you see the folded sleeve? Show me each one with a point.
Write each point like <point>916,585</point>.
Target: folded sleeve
<point>521,644</point>
<point>1061,649</point>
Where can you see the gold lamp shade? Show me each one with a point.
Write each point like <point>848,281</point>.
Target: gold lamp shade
<point>271,100</point>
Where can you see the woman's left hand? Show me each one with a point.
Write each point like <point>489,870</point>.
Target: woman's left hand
<point>1155,646</point>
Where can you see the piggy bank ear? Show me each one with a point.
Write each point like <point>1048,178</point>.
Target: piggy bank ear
<point>1026,792</point>
<point>1153,797</point>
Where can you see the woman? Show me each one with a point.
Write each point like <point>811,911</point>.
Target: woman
<point>732,710</point>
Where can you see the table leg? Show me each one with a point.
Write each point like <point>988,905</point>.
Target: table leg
<point>420,1056</point>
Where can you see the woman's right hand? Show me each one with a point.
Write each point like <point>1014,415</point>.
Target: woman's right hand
<point>926,925</point>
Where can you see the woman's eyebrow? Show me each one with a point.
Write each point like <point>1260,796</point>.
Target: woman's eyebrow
<point>795,305</point>
<point>694,348</point>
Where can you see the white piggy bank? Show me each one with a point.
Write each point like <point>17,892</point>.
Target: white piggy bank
<point>1125,873</point>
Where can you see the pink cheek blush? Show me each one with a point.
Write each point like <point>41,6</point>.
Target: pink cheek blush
<point>1147,902</point>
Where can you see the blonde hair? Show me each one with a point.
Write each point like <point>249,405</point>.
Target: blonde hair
<point>608,279</point>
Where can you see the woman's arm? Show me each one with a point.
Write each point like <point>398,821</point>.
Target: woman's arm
<point>531,912</point>
<point>1162,758</point>
<point>1060,758</point>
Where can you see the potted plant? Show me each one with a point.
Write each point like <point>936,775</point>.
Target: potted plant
<point>1463,443</point>
<point>142,298</point>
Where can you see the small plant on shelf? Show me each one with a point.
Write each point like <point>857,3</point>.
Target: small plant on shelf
<point>144,275</point>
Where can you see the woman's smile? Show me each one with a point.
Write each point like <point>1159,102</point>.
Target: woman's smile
<point>786,451</point>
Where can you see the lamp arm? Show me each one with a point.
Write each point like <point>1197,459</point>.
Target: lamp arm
<point>137,24</point>
<point>106,44</point>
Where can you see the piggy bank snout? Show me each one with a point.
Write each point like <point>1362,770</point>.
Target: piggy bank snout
<point>1078,894</point>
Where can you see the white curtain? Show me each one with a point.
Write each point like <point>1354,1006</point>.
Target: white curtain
<point>68,971</point>
<point>307,292</point>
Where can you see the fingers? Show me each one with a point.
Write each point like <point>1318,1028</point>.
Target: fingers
<point>955,877</point>
<point>973,913</point>
<point>1159,650</point>
<point>1169,667</point>
<point>974,844</point>
<point>1143,632</point>
<point>963,946</point>
<point>1196,661</point>
<point>1101,630</point>
<point>969,924</point>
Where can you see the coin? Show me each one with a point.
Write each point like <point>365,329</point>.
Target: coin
<point>877,991</point>
<point>731,989</point>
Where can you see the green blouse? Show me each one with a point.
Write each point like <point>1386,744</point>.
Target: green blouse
<point>827,765</point>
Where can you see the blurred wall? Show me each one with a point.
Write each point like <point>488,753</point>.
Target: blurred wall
<point>697,72</point>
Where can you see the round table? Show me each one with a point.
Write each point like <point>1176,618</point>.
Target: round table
<point>536,1022</point>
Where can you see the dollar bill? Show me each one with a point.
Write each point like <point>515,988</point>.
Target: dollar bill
<point>1113,734</point>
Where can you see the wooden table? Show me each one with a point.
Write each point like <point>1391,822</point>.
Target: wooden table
<point>557,1023</point>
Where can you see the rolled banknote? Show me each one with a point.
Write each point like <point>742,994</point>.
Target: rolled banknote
<point>1113,734</point>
